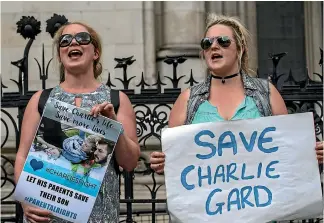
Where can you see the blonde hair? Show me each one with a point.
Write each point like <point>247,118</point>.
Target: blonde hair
<point>97,66</point>
<point>240,33</point>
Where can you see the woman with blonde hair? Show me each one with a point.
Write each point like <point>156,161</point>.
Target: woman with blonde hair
<point>225,51</point>
<point>79,51</point>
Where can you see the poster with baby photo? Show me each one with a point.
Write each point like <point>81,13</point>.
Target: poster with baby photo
<point>67,161</point>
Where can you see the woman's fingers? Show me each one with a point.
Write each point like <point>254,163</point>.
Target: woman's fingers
<point>160,171</point>
<point>94,110</point>
<point>40,212</point>
<point>108,111</point>
<point>157,155</point>
<point>30,220</point>
<point>159,168</point>
<point>319,152</point>
<point>157,160</point>
<point>35,218</point>
<point>37,215</point>
<point>319,145</point>
<point>105,109</point>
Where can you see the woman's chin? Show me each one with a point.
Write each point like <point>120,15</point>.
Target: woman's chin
<point>216,70</point>
<point>75,67</point>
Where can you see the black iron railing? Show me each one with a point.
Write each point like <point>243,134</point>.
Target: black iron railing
<point>152,106</point>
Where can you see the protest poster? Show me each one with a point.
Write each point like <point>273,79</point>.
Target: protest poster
<point>246,171</point>
<point>65,167</point>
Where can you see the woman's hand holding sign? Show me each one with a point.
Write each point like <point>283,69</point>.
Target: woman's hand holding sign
<point>127,149</point>
<point>157,162</point>
<point>34,214</point>
<point>319,152</point>
<point>106,109</point>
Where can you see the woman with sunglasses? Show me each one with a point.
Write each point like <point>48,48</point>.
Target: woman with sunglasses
<point>79,50</point>
<point>228,93</point>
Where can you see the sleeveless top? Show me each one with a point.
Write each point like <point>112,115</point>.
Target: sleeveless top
<point>106,207</point>
<point>256,88</point>
<point>209,113</point>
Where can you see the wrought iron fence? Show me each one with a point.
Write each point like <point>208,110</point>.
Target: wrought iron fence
<point>151,106</point>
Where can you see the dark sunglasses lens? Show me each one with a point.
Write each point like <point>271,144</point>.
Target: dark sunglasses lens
<point>224,41</point>
<point>206,43</point>
<point>83,38</point>
<point>65,40</point>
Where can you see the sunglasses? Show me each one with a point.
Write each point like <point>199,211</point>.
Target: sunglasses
<point>82,38</point>
<point>223,41</point>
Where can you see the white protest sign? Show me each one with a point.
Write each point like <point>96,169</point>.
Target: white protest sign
<point>247,171</point>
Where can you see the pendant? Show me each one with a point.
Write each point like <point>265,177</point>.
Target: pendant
<point>223,81</point>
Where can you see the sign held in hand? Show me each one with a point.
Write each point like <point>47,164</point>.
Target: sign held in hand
<point>254,171</point>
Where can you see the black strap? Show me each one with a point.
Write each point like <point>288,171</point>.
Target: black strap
<point>114,95</point>
<point>43,99</point>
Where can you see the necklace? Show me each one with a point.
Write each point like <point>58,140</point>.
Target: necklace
<point>224,78</point>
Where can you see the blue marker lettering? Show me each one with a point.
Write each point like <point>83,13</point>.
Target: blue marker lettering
<point>269,169</point>
<point>236,201</point>
<point>183,178</point>
<point>244,197</point>
<point>265,140</point>
<point>257,197</point>
<point>231,144</point>
<point>248,146</point>
<point>219,205</point>
<point>230,172</point>
<point>205,144</point>
<point>219,173</point>
<point>243,177</point>
<point>259,170</point>
<point>201,177</point>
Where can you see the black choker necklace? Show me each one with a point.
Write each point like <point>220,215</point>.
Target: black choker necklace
<point>224,78</point>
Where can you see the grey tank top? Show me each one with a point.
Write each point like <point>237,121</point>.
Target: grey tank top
<point>106,207</point>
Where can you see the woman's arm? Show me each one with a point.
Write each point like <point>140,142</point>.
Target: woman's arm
<point>127,148</point>
<point>278,105</point>
<point>178,113</point>
<point>28,129</point>
<point>279,108</point>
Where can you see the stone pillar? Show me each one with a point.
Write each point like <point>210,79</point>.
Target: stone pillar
<point>246,12</point>
<point>313,36</point>
<point>149,43</point>
<point>180,28</point>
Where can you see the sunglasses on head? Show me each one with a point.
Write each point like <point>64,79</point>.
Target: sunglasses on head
<point>82,38</point>
<point>207,42</point>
